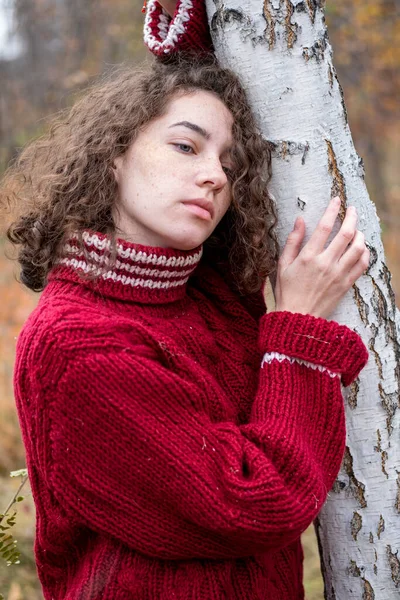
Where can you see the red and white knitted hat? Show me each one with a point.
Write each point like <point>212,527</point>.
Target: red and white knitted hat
<point>187,30</point>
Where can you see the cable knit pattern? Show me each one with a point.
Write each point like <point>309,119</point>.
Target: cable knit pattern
<point>164,462</point>
<point>188,29</point>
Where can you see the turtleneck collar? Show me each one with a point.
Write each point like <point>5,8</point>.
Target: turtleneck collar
<point>140,274</point>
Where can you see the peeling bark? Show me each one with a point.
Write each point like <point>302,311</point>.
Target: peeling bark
<point>352,396</point>
<point>394,565</point>
<point>381,527</point>
<point>280,49</point>
<point>356,524</point>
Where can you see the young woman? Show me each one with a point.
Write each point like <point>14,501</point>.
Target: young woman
<point>178,438</point>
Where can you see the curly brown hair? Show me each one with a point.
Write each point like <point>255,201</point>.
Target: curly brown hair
<point>64,182</point>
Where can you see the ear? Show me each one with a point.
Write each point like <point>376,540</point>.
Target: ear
<point>116,167</point>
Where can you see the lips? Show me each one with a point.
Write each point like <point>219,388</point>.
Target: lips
<point>202,207</point>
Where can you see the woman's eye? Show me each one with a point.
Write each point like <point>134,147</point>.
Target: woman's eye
<point>185,148</point>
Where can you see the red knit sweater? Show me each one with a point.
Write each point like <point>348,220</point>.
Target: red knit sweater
<point>177,446</point>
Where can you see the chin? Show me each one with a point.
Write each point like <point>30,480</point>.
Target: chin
<point>189,240</point>
<point>189,245</point>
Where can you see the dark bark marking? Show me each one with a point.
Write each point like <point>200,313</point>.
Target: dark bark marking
<point>353,569</point>
<point>378,303</point>
<point>352,395</point>
<point>391,331</point>
<point>375,570</point>
<point>360,166</point>
<point>368,593</point>
<point>312,8</point>
<point>355,487</point>
<point>371,538</point>
<point>338,187</point>
<point>333,76</point>
<point>378,447</point>
<point>270,20</point>
<point>301,203</point>
<point>386,316</point>
<point>390,404</point>
<point>283,148</point>
<point>317,528</point>
<point>394,564</point>
<point>384,455</point>
<point>387,278</point>
<point>373,257</point>
<point>330,75</point>
<point>338,486</point>
<point>363,308</point>
<point>381,527</point>
<point>317,50</point>
<point>397,501</point>
<point>355,525</point>
<point>291,28</point>
<point>301,7</point>
<point>223,16</point>
<point>306,149</point>
<point>371,346</point>
<point>343,102</point>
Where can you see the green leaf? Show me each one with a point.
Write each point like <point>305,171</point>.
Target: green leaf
<point>20,498</point>
<point>19,473</point>
<point>7,548</point>
<point>13,559</point>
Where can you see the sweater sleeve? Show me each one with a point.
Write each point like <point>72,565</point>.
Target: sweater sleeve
<point>131,452</point>
<point>187,30</point>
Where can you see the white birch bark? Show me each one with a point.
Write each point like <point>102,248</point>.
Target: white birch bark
<point>281,52</point>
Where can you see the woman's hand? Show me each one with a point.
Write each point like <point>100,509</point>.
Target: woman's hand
<point>169,6</point>
<point>314,280</point>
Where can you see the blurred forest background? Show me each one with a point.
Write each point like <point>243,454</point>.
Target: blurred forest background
<point>51,49</point>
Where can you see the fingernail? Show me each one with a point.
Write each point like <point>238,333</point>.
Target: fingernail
<point>296,224</point>
<point>336,200</point>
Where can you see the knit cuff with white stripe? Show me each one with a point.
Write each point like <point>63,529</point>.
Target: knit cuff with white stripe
<point>336,348</point>
<point>187,30</point>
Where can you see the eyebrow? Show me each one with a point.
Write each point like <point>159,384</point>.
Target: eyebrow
<point>193,127</point>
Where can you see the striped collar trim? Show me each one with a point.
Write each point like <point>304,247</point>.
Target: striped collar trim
<point>140,273</point>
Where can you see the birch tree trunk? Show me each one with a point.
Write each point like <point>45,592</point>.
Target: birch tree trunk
<point>280,50</point>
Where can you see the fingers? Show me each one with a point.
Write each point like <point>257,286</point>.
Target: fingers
<point>317,241</point>
<point>355,252</point>
<point>358,267</point>
<point>293,243</point>
<point>344,236</point>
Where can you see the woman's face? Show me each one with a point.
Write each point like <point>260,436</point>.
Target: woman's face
<point>173,181</point>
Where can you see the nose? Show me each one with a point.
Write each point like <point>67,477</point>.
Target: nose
<point>211,174</point>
